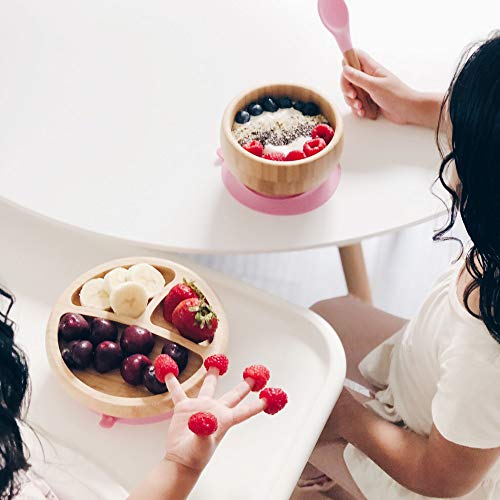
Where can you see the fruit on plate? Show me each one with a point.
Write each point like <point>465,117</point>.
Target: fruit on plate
<point>178,293</point>
<point>95,294</point>
<point>82,352</point>
<point>178,353</point>
<point>102,329</point>
<point>276,399</point>
<point>195,320</point>
<point>67,357</point>
<point>164,365</point>
<point>129,299</point>
<point>73,326</point>
<point>218,361</point>
<point>147,276</point>
<point>133,367</point>
<point>107,356</point>
<point>259,374</point>
<point>136,340</point>
<point>151,383</point>
<point>115,277</point>
<point>203,423</point>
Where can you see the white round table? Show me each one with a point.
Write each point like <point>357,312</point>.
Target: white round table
<point>110,112</point>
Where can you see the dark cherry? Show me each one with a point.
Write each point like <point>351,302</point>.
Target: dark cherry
<point>107,356</point>
<point>82,353</point>
<point>151,383</point>
<point>136,340</point>
<point>178,353</point>
<point>102,329</point>
<point>73,326</point>
<point>133,367</point>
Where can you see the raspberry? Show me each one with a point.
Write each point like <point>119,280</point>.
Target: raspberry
<point>259,374</point>
<point>274,155</point>
<point>323,131</point>
<point>218,361</point>
<point>254,147</point>
<point>164,365</point>
<point>276,399</point>
<point>314,146</point>
<point>295,155</point>
<point>202,423</point>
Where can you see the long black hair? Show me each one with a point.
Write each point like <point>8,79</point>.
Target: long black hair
<point>472,104</point>
<point>14,396</point>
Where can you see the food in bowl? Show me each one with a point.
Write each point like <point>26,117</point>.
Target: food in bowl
<point>281,129</point>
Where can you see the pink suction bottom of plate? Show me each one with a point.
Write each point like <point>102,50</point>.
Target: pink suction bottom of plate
<point>107,421</point>
<point>289,205</point>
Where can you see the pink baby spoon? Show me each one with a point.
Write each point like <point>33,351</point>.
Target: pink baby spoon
<point>335,17</point>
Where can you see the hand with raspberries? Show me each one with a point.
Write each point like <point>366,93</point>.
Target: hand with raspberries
<point>199,424</point>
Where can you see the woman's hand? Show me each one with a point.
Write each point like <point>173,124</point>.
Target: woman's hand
<point>194,451</point>
<point>396,101</point>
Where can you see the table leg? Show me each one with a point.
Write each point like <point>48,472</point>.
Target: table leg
<point>356,277</point>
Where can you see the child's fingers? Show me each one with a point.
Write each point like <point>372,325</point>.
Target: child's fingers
<point>236,395</point>
<point>245,411</point>
<point>175,389</point>
<point>210,383</point>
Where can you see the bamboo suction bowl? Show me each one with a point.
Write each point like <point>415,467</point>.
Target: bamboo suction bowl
<point>108,393</point>
<point>280,178</point>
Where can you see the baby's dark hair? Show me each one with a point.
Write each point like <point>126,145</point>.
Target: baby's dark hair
<point>14,396</point>
<point>472,103</point>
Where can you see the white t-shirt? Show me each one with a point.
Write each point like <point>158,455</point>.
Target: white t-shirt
<point>442,368</point>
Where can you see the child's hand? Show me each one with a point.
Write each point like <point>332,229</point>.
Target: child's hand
<point>194,451</point>
<point>397,102</point>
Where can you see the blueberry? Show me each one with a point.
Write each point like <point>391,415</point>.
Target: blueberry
<point>255,109</point>
<point>242,117</point>
<point>299,105</point>
<point>310,109</point>
<point>269,105</point>
<point>284,102</point>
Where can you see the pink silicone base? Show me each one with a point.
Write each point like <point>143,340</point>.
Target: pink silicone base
<point>290,205</point>
<point>107,421</point>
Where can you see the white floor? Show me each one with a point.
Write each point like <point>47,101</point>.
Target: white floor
<point>402,267</point>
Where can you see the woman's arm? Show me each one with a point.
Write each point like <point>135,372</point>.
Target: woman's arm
<point>430,466</point>
<point>396,101</point>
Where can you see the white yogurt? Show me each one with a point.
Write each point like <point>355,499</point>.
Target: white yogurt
<point>297,144</point>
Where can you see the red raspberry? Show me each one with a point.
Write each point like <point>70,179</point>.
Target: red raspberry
<point>295,155</point>
<point>324,131</point>
<point>217,361</point>
<point>274,155</point>
<point>314,146</point>
<point>164,365</point>
<point>203,423</point>
<point>259,374</point>
<point>276,399</point>
<point>254,147</point>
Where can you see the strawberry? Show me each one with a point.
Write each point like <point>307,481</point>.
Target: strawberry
<point>314,146</point>
<point>323,131</point>
<point>195,320</point>
<point>254,147</point>
<point>295,155</point>
<point>178,293</point>
<point>274,155</point>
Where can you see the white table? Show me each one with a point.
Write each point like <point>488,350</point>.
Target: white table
<point>109,115</point>
<point>265,456</point>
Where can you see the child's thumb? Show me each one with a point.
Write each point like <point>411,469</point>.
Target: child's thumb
<point>360,79</point>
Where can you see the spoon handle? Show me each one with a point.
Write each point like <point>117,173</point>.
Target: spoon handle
<point>370,107</point>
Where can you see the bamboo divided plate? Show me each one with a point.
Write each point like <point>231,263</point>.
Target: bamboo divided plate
<point>108,393</point>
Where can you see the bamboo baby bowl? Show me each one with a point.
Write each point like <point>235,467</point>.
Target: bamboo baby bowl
<point>107,393</point>
<point>281,178</point>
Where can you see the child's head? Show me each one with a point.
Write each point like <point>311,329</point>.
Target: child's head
<point>14,385</point>
<point>472,104</point>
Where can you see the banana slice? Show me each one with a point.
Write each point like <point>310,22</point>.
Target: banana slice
<point>94,294</point>
<point>129,299</point>
<point>147,276</point>
<point>115,277</point>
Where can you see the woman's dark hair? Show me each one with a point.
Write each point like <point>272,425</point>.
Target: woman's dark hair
<point>14,395</point>
<point>472,103</point>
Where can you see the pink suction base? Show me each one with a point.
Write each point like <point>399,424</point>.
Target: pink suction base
<point>290,205</point>
<point>107,421</point>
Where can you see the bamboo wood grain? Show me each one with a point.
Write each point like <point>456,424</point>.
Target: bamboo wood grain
<point>108,393</point>
<point>274,178</point>
<point>370,107</point>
